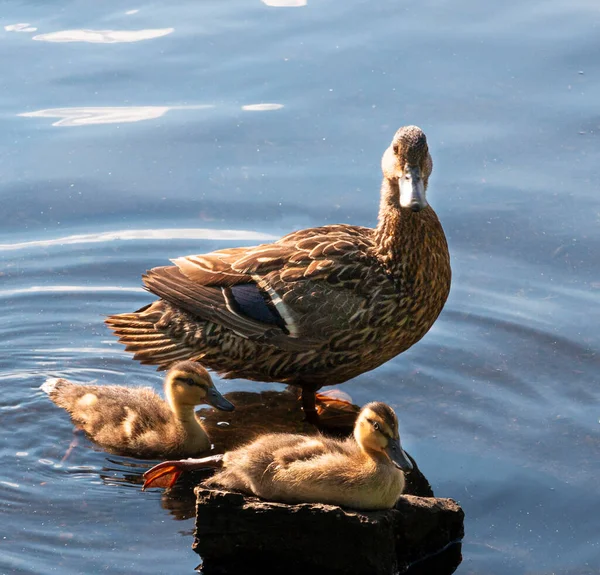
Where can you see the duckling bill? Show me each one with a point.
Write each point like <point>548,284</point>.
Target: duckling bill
<point>365,471</point>
<point>137,421</point>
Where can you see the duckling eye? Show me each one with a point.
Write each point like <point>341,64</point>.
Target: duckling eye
<point>189,380</point>
<point>395,148</point>
<point>376,426</point>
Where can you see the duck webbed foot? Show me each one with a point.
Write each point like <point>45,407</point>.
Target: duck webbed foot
<point>336,410</point>
<point>165,474</point>
<point>329,410</point>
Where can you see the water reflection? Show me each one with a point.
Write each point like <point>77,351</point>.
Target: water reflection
<point>103,36</point>
<point>68,289</point>
<point>147,234</point>
<point>22,27</point>
<point>85,116</point>
<point>445,562</point>
<point>285,3</point>
<point>261,107</point>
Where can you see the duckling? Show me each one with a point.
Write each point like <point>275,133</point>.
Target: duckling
<point>137,421</point>
<point>317,307</point>
<point>365,471</point>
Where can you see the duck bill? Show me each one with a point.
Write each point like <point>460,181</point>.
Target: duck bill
<point>397,455</point>
<point>412,190</point>
<point>214,398</point>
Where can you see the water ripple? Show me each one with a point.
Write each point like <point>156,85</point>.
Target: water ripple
<point>149,234</point>
<point>285,3</point>
<point>90,115</point>
<point>21,27</point>
<point>549,340</point>
<point>69,289</point>
<point>103,36</point>
<point>261,107</point>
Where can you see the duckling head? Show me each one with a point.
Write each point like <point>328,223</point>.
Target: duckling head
<point>188,383</point>
<point>376,430</point>
<point>408,164</point>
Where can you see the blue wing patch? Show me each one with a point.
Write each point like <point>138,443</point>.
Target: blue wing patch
<point>248,300</point>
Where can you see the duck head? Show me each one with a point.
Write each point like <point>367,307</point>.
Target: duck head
<point>376,430</point>
<point>407,164</point>
<point>188,383</point>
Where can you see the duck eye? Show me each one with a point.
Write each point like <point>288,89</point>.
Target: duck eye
<point>376,426</point>
<point>395,148</point>
<point>190,381</point>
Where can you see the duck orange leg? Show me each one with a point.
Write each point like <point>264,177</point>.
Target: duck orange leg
<point>165,474</point>
<point>336,410</point>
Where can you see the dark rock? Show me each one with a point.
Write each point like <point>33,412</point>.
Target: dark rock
<point>240,534</point>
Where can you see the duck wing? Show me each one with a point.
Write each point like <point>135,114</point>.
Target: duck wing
<point>293,294</point>
<point>311,449</point>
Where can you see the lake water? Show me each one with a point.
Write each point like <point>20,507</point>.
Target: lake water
<point>134,133</point>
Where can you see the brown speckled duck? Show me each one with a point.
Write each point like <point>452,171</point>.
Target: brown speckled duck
<point>136,421</point>
<point>362,472</point>
<point>317,307</point>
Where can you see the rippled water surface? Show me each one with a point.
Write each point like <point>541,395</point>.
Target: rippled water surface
<point>131,134</point>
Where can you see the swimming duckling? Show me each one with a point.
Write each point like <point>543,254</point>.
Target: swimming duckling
<point>362,472</point>
<point>137,421</point>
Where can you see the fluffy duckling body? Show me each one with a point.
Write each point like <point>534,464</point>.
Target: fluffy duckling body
<point>317,307</point>
<point>137,421</point>
<point>365,471</point>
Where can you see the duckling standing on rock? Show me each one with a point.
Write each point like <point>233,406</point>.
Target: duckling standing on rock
<point>362,472</point>
<point>137,421</point>
<point>317,307</point>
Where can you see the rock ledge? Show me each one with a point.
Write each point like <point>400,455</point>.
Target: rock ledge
<point>241,534</point>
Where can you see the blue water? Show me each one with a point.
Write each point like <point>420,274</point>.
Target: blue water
<point>184,127</point>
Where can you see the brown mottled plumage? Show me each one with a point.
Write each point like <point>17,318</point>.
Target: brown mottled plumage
<point>362,472</point>
<point>317,307</point>
<point>136,421</point>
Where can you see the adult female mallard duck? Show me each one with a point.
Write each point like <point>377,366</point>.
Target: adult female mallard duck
<point>362,472</point>
<point>137,421</point>
<point>317,307</point>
